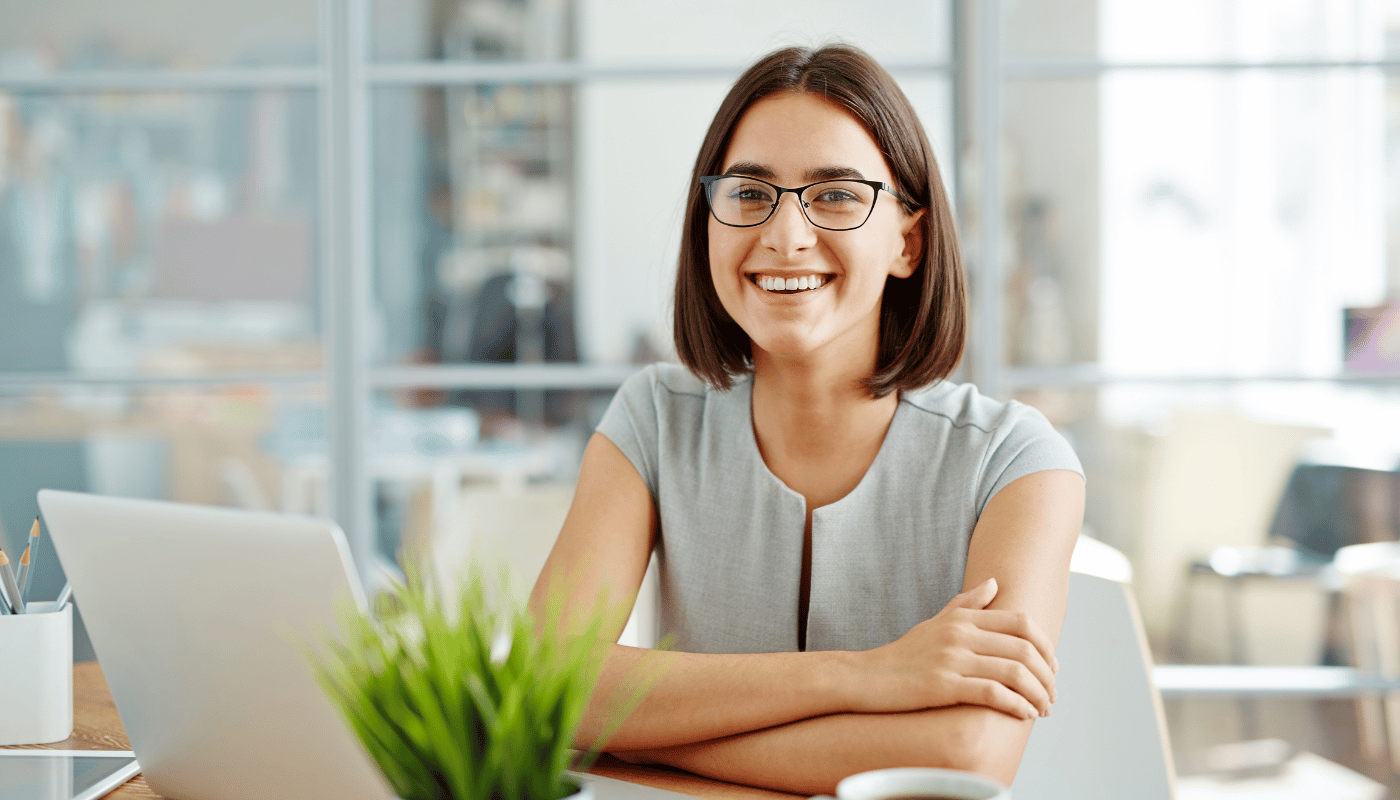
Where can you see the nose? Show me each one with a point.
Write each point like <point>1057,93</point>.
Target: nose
<point>788,230</point>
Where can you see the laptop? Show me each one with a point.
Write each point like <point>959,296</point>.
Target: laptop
<point>200,618</point>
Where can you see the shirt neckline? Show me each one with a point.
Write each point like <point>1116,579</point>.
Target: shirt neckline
<point>745,409</point>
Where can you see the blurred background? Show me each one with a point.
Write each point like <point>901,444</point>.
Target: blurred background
<point>387,260</point>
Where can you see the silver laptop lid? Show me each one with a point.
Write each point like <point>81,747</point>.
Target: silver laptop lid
<point>200,618</point>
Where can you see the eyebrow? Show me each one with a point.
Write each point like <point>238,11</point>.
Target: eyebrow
<point>831,173</point>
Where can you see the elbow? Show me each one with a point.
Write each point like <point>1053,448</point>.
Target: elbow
<point>982,740</point>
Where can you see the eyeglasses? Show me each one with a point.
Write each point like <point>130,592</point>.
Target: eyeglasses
<point>743,202</point>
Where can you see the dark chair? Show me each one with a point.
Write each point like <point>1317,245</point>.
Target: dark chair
<point>1323,508</point>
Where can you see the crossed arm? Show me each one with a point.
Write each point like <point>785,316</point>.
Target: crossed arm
<point>960,690</point>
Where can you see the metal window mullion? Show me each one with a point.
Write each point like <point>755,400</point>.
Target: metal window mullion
<point>987,104</point>
<point>232,79</point>
<point>467,73</point>
<point>345,272</point>
<point>1070,70</point>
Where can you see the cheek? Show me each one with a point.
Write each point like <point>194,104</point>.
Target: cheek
<point>725,252</point>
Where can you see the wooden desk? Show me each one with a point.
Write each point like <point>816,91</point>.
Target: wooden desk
<point>96,726</point>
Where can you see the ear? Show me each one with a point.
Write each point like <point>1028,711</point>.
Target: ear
<point>912,232</point>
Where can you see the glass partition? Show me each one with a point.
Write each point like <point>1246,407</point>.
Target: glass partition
<point>1200,223</point>
<point>153,233</point>
<point>55,36</point>
<point>1198,31</point>
<point>251,446</point>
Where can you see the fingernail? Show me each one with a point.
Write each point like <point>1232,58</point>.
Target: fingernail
<point>1055,667</point>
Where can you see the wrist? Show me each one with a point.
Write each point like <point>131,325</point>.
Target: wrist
<point>840,679</point>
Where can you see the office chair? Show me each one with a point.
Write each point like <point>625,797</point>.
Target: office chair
<point>1107,737</point>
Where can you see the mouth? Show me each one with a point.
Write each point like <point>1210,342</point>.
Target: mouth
<point>774,284</point>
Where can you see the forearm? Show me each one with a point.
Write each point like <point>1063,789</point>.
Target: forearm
<point>700,696</point>
<point>811,756</point>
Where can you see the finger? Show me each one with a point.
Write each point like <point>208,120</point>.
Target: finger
<point>1018,623</point>
<point>1013,675</point>
<point>979,596</point>
<point>994,695</point>
<point>1014,648</point>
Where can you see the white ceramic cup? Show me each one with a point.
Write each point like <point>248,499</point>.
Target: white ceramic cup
<point>886,784</point>
<point>36,675</point>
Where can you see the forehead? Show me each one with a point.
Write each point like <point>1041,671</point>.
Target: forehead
<point>794,134</point>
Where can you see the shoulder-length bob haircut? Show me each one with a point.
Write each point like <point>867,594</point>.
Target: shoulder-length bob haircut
<point>923,318</point>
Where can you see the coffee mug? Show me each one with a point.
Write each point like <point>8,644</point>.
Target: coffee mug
<point>919,783</point>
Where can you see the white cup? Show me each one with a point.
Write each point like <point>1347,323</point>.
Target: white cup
<point>36,675</point>
<point>924,782</point>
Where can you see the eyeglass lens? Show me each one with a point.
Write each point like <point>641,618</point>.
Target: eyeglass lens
<point>836,205</point>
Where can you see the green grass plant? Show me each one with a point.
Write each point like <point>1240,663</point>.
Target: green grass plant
<point>465,699</point>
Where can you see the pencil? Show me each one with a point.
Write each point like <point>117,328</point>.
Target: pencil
<point>23,575</point>
<point>7,576</point>
<point>26,563</point>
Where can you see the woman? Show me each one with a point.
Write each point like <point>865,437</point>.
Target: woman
<point>817,495</point>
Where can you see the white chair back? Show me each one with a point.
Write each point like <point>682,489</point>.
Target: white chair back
<point>1106,738</point>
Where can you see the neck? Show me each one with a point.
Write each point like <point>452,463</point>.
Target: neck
<point>816,406</point>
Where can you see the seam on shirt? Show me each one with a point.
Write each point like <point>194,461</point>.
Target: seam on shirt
<point>703,393</point>
<point>954,422</point>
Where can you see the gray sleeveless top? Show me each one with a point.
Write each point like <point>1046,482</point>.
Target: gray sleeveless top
<point>884,558</point>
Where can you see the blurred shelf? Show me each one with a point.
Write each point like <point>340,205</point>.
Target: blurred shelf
<point>1061,70</point>
<point>454,376</point>
<point>1180,680</point>
<point>30,380</point>
<point>153,80</point>
<point>503,376</point>
<point>584,376</point>
<point>1091,375</point>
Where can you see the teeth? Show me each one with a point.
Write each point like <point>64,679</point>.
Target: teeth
<point>774,284</point>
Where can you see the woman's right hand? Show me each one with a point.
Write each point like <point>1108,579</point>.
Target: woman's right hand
<point>966,654</point>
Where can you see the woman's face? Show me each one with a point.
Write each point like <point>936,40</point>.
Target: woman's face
<point>794,139</point>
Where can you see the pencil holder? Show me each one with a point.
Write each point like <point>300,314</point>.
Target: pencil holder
<point>36,675</point>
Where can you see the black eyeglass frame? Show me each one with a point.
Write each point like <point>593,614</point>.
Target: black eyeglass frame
<point>708,181</point>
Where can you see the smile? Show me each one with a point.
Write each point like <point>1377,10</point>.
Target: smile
<point>778,285</point>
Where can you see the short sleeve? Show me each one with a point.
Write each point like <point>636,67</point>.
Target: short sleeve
<point>1024,442</point>
<point>632,423</point>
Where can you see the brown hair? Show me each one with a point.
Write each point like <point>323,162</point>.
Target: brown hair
<point>923,318</point>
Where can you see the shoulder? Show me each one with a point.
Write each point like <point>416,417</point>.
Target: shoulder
<point>661,384</point>
<point>961,405</point>
<point>1001,437</point>
<point>667,393</point>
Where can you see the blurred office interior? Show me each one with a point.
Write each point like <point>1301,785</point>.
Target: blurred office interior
<point>386,261</point>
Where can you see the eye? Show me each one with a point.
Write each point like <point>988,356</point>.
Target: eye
<point>751,193</point>
<point>835,195</point>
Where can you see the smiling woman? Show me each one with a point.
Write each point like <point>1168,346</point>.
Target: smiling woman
<point>863,564</point>
<point>851,264</point>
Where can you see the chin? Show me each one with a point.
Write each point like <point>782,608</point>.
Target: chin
<point>786,347</point>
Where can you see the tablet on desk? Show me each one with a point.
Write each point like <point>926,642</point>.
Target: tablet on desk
<point>63,774</point>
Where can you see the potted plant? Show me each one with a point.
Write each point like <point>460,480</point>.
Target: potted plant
<point>466,698</point>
